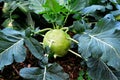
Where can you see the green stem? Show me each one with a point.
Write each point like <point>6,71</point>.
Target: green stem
<point>75,53</point>
<point>66,18</point>
<point>41,43</point>
<point>44,76</point>
<point>53,25</point>
<point>43,30</point>
<point>65,28</point>
<point>57,27</point>
<point>73,40</point>
<point>10,15</point>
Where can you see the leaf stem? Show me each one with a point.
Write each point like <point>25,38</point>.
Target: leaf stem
<point>44,74</point>
<point>66,18</point>
<point>73,40</point>
<point>46,29</point>
<point>53,25</point>
<point>65,28</point>
<point>75,53</point>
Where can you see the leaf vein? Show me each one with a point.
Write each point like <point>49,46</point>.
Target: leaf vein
<point>105,44</point>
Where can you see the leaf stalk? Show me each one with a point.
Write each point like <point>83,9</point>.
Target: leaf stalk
<point>43,30</point>
<point>44,74</point>
<point>75,53</point>
<point>74,40</point>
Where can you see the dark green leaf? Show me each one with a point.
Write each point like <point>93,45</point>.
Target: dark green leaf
<point>30,21</point>
<point>11,47</point>
<point>9,32</point>
<point>1,0</point>
<point>43,62</point>
<point>115,13</point>
<point>113,1</point>
<point>118,25</point>
<point>50,72</point>
<point>117,73</point>
<point>37,6</point>
<point>77,5</point>
<point>102,42</point>
<point>118,1</point>
<point>110,16</point>
<point>35,47</point>
<point>78,27</point>
<point>93,8</point>
<point>100,71</point>
<point>23,6</point>
<point>109,7</point>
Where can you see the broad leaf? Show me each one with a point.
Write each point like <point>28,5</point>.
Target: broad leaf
<point>1,0</point>
<point>37,6</point>
<point>115,13</point>
<point>76,5</point>
<point>35,47</point>
<point>50,72</point>
<point>98,70</point>
<point>92,9</point>
<point>11,47</point>
<point>23,6</point>
<point>78,27</point>
<point>11,32</point>
<point>113,1</point>
<point>118,1</point>
<point>118,25</point>
<point>102,42</point>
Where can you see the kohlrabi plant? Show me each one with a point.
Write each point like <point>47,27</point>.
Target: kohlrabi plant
<point>43,27</point>
<point>58,41</point>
